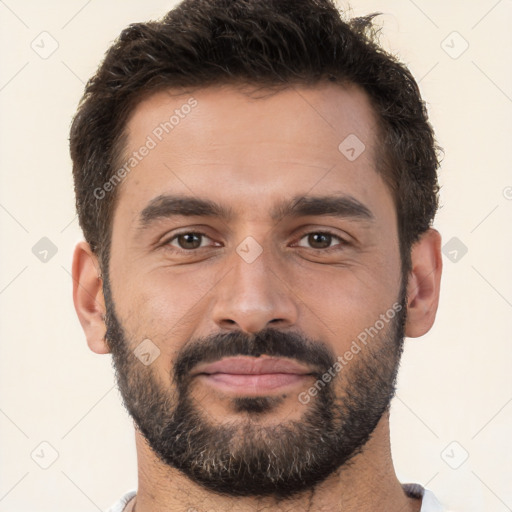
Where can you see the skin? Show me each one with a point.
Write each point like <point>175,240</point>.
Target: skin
<point>248,154</point>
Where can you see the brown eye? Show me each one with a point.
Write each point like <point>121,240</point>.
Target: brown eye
<point>187,241</point>
<point>321,240</point>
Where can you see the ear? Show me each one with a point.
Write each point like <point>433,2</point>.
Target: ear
<point>88,297</point>
<point>424,284</point>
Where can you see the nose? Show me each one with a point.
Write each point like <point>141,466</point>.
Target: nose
<point>251,296</point>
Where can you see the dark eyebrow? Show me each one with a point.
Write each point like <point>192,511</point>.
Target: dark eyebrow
<point>334,205</point>
<point>165,206</point>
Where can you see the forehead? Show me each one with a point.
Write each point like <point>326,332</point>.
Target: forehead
<point>220,141</point>
<point>297,113</point>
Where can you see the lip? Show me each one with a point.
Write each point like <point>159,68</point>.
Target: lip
<point>250,376</point>
<point>246,365</point>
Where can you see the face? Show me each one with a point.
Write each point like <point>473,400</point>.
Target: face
<point>255,303</point>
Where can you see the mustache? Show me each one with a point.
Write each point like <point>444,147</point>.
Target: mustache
<point>271,342</point>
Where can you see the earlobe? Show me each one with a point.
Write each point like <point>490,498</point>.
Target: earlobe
<point>88,297</point>
<point>424,284</point>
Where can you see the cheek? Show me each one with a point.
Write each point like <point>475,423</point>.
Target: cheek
<point>166,305</point>
<point>343,302</point>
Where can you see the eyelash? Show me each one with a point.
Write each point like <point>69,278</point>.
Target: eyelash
<point>342,241</point>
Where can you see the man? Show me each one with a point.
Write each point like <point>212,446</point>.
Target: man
<point>256,183</point>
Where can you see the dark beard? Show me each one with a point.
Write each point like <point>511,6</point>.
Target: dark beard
<point>246,458</point>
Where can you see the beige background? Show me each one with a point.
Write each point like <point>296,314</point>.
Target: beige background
<point>455,383</point>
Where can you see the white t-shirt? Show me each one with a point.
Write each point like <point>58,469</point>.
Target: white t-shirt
<point>429,502</point>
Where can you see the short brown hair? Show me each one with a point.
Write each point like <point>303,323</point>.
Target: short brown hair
<point>272,44</point>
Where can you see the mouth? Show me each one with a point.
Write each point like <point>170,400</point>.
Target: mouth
<point>253,376</point>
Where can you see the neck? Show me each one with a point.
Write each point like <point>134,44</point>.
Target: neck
<point>367,482</point>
